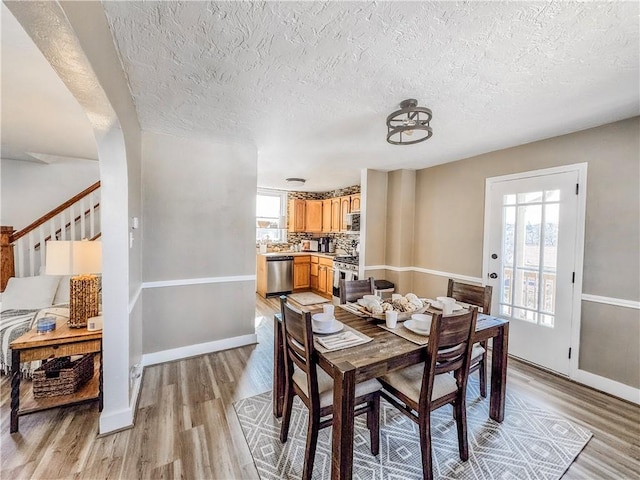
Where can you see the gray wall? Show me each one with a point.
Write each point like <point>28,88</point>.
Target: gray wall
<point>29,189</point>
<point>449,215</point>
<point>199,202</point>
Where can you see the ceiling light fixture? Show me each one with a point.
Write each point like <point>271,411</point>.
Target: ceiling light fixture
<point>408,120</point>
<point>295,182</point>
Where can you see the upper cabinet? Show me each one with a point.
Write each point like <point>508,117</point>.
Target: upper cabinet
<point>326,216</point>
<point>313,216</point>
<point>322,216</point>
<point>355,202</point>
<point>345,208</point>
<point>335,215</point>
<point>297,213</point>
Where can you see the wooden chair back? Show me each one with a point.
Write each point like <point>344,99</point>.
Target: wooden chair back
<point>471,294</point>
<point>299,350</point>
<point>449,350</point>
<point>354,289</point>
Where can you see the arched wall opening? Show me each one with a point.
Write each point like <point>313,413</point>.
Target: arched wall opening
<point>74,37</point>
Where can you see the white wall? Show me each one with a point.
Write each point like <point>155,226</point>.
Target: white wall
<point>29,189</point>
<point>199,201</point>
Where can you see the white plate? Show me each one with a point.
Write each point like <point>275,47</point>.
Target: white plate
<point>333,327</point>
<point>410,324</point>
<point>435,303</point>
<point>438,305</point>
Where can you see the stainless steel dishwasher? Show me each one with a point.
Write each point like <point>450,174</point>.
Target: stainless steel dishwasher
<point>279,274</point>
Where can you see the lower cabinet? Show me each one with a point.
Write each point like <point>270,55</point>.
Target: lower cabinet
<point>325,277</point>
<point>301,272</point>
<point>314,272</point>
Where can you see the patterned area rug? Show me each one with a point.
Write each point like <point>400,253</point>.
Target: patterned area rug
<point>530,444</point>
<point>307,298</point>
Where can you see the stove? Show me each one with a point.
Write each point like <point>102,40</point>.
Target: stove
<point>345,268</point>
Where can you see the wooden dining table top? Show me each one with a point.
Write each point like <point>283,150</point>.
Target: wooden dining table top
<point>385,345</point>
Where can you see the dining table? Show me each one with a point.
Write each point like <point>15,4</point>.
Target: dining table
<point>385,353</point>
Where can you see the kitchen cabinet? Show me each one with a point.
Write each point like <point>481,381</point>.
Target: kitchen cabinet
<point>335,215</point>
<point>325,276</point>
<point>261,275</point>
<point>297,214</point>
<point>313,276</point>
<point>301,272</point>
<point>322,216</point>
<point>326,216</point>
<point>345,208</point>
<point>313,216</point>
<point>355,202</point>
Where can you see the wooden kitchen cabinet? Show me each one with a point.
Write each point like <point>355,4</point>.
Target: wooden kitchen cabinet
<point>345,208</point>
<point>261,275</point>
<point>314,272</point>
<point>301,272</point>
<point>313,216</point>
<point>355,202</point>
<point>326,216</point>
<point>325,277</point>
<point>335,215</point>
<point>297,214</point>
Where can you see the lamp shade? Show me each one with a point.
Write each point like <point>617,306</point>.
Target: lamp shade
<point>73,257</point>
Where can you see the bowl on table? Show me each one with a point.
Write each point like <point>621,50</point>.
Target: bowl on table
<point>421,321</point>
<point>324,323</point>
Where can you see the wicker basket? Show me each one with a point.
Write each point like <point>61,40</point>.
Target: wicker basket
<point>61,376</point>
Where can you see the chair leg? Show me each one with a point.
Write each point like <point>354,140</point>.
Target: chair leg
<point>425,444</point>
<point>461,421</point>
<point>373,424</point>
<point>312,442</point>
<point>286,413</point>
<point>482,372</point>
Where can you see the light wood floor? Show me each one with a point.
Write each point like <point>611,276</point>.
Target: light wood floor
<point>186,426</point>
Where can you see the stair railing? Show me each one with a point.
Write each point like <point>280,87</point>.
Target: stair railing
<point>75,219</point>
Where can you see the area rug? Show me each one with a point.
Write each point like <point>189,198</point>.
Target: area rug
<point>531,443</point>
<point>307,298</point>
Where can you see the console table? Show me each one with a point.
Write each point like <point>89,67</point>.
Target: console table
<point>61,342</point>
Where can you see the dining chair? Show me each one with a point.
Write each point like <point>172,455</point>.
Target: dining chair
<point>480,297</point>
<point>442,379</point>
<point>315,387</point>
<point>354,289</point>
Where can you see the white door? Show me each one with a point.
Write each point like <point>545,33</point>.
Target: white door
<point>530,249</point>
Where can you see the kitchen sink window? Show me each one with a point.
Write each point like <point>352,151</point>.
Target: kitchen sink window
<point>271,216</point>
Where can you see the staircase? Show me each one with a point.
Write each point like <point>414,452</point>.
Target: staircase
<point>23,252</point>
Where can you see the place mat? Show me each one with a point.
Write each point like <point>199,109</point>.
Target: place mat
<point>353,308</point>
<point>307,298</point>
<point>352,338</point>
<point>405,333</point>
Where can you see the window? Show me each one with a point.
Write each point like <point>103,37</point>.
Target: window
<point>271,216</point>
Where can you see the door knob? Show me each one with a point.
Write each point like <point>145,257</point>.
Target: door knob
<point>494,256</point>
<point>493,275</point>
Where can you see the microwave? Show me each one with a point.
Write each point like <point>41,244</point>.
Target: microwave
<point>310,245</point>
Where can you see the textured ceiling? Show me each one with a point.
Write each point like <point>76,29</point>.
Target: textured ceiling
<point>311,83</point>
<point>41,120</point>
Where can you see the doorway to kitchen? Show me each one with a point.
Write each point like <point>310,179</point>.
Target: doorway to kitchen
<point>533,253</point>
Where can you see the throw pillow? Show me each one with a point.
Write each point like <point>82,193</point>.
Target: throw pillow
<point>30,293</point>
<point>64,290</point>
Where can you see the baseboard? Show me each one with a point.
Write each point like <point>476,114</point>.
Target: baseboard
<point>607,385</point>
<point>198,349</point>
<point>116,421</point>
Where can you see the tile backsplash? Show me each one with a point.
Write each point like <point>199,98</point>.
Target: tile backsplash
<point>343,242</point>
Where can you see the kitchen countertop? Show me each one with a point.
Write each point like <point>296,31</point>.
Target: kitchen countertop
<point>299,254</point>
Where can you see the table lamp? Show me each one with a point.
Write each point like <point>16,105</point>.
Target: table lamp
<point>83,259</point>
